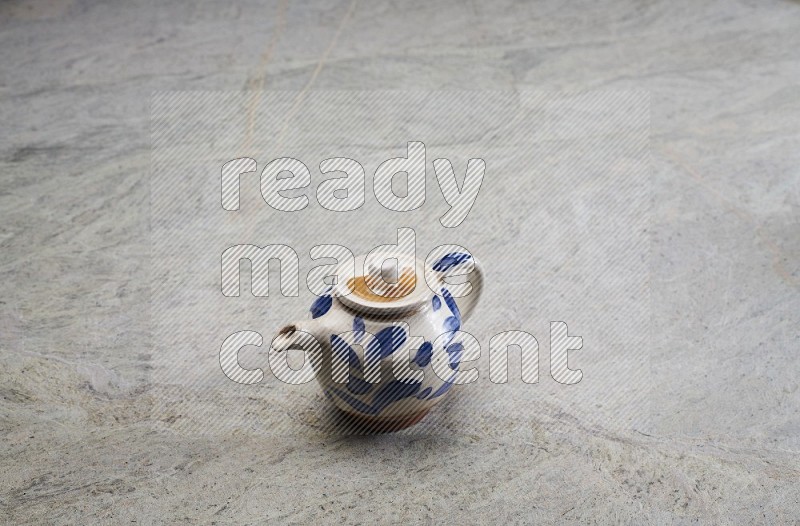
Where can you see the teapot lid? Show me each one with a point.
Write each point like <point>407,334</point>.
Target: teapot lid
<point>386,284</point>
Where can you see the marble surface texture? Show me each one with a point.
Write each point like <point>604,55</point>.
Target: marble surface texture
<point>79,441</point>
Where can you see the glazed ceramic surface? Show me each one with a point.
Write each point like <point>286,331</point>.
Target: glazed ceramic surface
<point>364,335</point>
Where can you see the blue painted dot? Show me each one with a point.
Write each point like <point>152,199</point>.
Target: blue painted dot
<point>455,351</point>
<point>451,260</point>
<point>451,303</point>
<point>437,303</point>
<point>451,323</point>
<point>424,355</point>
<point>320,306</point>
<point>358,328</point>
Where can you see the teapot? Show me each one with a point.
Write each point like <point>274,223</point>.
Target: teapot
<point>362,330</point>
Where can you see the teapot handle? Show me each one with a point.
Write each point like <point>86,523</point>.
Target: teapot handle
<point>466,304</point>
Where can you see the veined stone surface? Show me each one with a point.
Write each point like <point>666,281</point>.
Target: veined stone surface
<point>75,412</point>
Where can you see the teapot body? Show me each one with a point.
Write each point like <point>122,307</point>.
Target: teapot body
<point>362,341</point>
<point>383,365</point>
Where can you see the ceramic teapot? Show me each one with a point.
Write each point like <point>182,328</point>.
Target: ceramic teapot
<point>368,336</point>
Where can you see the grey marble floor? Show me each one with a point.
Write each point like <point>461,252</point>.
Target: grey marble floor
<point>75,413</point>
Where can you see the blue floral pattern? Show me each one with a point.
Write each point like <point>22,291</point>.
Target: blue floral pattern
<point>451,304</point>
<point>394,391</point>
<point>321,306</point>
<point>358,328</point>
<point>345,353</point>
<point>355,403</point>
<point>451,323</point>
<point>390,393</point>
<point>444,388</point>
<point>424,354</point>
<point>436,302</point>
<point>455,351</point>
<point>386,342</point>
<point>451,260</point>
<point>424,393</point>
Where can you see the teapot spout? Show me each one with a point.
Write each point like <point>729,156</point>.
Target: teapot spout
<point>303,334</point>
